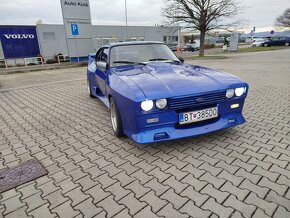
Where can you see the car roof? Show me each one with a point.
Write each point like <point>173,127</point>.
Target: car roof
<point>132,43</point>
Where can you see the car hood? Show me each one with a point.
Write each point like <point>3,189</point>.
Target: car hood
<point>163,80</point>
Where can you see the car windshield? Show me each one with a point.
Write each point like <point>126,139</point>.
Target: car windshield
<point>142,53</point>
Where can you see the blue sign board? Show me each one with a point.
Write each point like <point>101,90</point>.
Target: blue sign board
<point>19,41</point>
<point>74,29</point>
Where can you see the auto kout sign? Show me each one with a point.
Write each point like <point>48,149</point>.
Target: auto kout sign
<point>78,27</point>
<point>19,41</point>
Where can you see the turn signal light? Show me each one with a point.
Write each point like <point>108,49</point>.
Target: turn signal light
<point>234,106</point>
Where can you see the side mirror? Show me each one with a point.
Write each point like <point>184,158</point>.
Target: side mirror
<point>101,65</point>
<point>181,59</point>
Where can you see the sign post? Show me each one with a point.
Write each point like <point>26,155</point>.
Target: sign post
<point>75,33</point>
<point>234,42</point>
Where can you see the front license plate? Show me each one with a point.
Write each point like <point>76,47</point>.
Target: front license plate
<point>197,116</point>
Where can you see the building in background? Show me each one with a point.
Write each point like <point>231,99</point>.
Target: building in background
<point>49,40</point>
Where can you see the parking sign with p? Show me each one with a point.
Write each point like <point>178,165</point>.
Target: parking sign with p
<point>74,29</point>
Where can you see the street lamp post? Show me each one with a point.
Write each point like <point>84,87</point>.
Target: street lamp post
<point>126,15</point>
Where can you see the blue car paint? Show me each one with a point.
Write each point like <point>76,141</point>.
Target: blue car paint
<point>130,85</point>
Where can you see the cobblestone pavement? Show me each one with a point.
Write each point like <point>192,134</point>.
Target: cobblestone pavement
<point>239,172</point>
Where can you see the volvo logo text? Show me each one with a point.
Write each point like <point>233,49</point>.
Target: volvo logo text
<point>19,36</point>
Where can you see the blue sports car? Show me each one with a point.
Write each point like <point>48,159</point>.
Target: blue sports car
<point>153,96</point>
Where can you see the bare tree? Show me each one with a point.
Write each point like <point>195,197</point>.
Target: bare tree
<point>284,19</point>
<point>202,15</point>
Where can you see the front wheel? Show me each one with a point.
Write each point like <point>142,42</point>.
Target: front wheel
<point>287,44</point>
<point>116,119</point>
<point>265,45</point>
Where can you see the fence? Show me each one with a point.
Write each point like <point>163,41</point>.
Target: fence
<point>32,61</point>
<point>3,62</point>
<point>63,58</point>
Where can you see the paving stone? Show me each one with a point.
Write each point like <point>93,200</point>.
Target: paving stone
<point>55,199</point>
<point>241,194</point>
<point>197,184</point>
<point>65,210</point>
<point>146,212</point>
<point>12,204</point>
<point>118,191</point>
<point>42,211</point>
<point>269,208</point>
<point>20,212</point>
<point>132,203</point>
<point>274,197</point>
<point>245,209</point>
<point>175,184</point>
<point>194,211</point>
<point>218,195</point>
<point>173,198</point>
<point>152,200</point>
<point>110,206</point>
<point>123,178</point>
<point>87,208</point>
<point>254,178</point>
<point>137,189</point>
<point>157,187</point>
<point>216,182</point>
<point>97,193</point>
<point>170,212</point>
<point>280,189</point>
<point>236,180</point>
<point>67,185</point>
<point>260,191</point>
<point>34,201</point>
<point>281,212</point>
<point>216,208</point>
<point>195,196</point>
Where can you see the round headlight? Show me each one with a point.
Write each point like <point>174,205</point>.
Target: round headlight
<point>240,91</point>
<point>147,105</point>
<point>161,103</point>
<point>230,93</point>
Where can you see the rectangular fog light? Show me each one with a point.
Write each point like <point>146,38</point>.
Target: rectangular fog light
<point>153,120</point>
<point>234,106</point>
<point>161,135</point>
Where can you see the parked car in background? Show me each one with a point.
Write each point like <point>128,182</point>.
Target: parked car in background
<point>258,42</point>
<point>153,96</point>
<point>279,41</point>
<point>173,47</point>
<point>192,46</point>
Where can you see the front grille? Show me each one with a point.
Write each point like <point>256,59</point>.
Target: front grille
<point>187,102</point>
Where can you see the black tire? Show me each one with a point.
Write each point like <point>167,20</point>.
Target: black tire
<point>116,119</point>
<point>287,44</point>
<point>90,89</point>
<point>265,45</point>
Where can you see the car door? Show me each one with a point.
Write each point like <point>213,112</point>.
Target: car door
<point>101,70</point>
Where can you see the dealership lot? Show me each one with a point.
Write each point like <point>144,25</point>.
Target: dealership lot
<point>239,172</point>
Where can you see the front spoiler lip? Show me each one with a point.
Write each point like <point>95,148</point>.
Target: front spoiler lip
<point>223,123</point>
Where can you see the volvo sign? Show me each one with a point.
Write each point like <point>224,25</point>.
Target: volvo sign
<point>19,41</point>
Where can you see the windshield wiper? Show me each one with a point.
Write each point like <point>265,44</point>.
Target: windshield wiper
<point>164,59</point>
<point>128,62</point>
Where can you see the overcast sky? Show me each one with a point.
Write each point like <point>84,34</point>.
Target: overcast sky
<point>259,13</point>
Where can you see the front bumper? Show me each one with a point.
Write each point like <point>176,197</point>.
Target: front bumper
<point>169,133</point>
<point>167,128</point>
